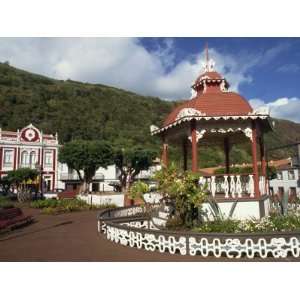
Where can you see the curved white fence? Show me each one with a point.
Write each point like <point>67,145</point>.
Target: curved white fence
<point>143,235</point>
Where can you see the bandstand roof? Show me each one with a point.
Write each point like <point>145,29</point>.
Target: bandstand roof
<point>211,101</point>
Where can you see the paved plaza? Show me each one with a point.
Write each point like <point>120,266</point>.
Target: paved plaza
<point>74,237</point>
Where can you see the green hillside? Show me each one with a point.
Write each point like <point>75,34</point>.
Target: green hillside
<point>94,111</point>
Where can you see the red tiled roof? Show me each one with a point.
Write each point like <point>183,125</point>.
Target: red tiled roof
<point>214,104</point>
<point>211,75</point>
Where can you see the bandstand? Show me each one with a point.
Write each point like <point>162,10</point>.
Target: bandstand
<point>215,116</point>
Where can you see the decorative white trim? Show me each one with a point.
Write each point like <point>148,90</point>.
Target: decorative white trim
<point>248,133</point>
<point>193,94</point>
<point>188,112</point>
<point>207,118</point>
<point>153,128</point>
<point>223,86</point>
<point>262,110</point>
<point>278,247</point>
<point>234,248</point>
<point>199,135</point>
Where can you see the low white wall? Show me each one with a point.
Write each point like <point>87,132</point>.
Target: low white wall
<point>243,210</point>
<point>117,199</point>
<point>152,197</point>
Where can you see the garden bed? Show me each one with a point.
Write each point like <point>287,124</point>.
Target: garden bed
<point>54,206</point>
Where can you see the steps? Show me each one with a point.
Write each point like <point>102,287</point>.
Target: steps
<point>161,216</point>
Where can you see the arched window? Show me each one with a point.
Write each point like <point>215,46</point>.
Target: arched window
<point>32,158</point>
<point>25,158</point>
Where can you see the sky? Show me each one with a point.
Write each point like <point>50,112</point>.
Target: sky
<point>263,70</point>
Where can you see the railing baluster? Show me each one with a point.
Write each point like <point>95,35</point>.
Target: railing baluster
<point>226,186</point>
<point>251,186</point>
<point>213,186</point>
<point>232,186</point>
<point>238,186</point>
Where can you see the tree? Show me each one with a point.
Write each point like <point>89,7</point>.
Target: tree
<point>131,162</point>
<point>21,180</point>
<point>85,157</point>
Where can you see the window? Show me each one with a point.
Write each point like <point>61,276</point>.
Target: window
<point>279,175</point>
<point>33,159</point>
<point>25,158</point>
<point>8,158</point>
<point>48,158</point>
<point>291,175</point>
<point>95,187</point>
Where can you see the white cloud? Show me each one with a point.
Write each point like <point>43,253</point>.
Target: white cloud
<point>282,108</point>
<point>289,68</point>
<point>125,63</point>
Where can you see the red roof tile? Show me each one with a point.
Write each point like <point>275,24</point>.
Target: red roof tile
<point>214,104</point>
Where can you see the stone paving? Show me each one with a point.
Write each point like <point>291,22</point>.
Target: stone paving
<point>74,237</point>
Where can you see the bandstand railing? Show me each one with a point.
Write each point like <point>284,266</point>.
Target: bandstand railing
<point>132,227</point>
<point>232,185</point>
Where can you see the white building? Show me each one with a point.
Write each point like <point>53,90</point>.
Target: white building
<point>104,177</point>
<point>287,179</point>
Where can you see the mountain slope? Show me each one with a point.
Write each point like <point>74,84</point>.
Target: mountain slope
<point>95,111</point>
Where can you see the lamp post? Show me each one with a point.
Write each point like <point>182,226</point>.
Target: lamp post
<point>40,171</point>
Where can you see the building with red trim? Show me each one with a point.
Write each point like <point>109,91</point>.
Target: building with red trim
<point>30,148</point>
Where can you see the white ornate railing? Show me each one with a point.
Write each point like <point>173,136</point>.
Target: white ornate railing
<point>142,234</point>
<point>231,185</point>
<point>133,235</point>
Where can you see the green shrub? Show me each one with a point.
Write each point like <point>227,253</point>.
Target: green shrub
<point>174,223</point>
<point>289,222</point>
<point>227,225</point>
<point>183,190</point>
<point>5,203</point>
<point>54,206</point>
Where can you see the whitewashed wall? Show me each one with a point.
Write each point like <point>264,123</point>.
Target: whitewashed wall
<point>117,199</point>
<point>243,210</point>
<point>285,182</point>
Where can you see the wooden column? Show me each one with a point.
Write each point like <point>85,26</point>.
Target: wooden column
<point>185,153</point>
<point>254,161</point>
<point>164,156</point>
<point>226,152</point>
<point>194,146</point>
<point>262,156</point>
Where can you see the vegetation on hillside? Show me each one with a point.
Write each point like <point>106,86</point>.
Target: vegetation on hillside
<point>96,112</point>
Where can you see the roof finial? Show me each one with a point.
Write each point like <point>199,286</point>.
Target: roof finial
<point>206,51</point>
<point>209,63</point>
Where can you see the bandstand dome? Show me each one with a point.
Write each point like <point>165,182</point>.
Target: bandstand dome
<point>216,103</point>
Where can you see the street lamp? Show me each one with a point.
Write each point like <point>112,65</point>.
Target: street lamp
<point>39,168</point>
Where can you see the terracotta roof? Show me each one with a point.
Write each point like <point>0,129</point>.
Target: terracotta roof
<point>281,164</point>
<point>214,104</point>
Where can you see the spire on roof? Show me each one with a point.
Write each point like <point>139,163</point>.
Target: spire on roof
<point>209,64</point>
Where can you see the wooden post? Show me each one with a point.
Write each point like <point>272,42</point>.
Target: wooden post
<point>185,153</point>
<point>262,156</point>
<point>194,146</point>
<point>254,161</point>
<point>164,156</point>
<point>226,152</point>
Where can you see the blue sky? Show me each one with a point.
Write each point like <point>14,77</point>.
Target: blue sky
<point>264,70</point>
